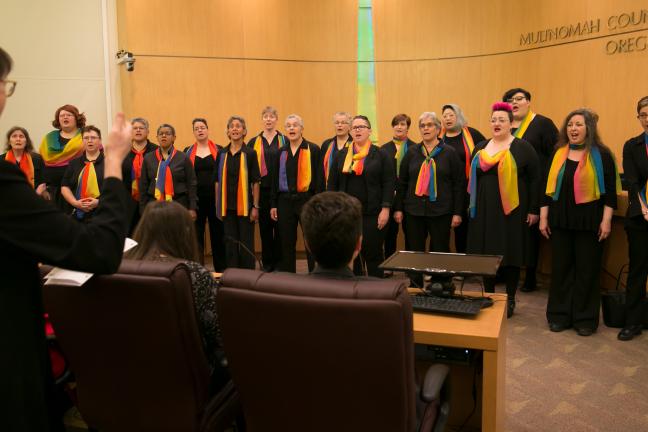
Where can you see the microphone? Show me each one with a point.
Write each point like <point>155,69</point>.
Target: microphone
<point>246,249</point>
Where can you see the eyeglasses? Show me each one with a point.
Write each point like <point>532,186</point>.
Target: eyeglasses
<point>138,128</point>
<point>642,116</point>
<point>9,87</point>
<point>426,125</point>
<point>516,99</point>
<point>359,127</point>
<point>165,134</point>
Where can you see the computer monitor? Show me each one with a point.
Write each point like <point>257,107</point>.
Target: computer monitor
<point>443,264</point>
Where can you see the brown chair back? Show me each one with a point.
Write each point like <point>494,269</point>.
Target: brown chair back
<point>133,343</point>
<point>313,354</point>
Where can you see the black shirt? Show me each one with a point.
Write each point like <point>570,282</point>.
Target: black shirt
<point>54,174</point>
<point>542,134</point>
<point>566,214</point>
<point>456,142</point>
<point>451,184</point>
<point>270,151</point>
<point>233,168</point>
<point>325,146</point>
<point>635,169</point>
<point>37,160</point>
<point>184,179</point>
<point>127,165</point>
<point>291,169</point>
<point>390,149</point>
<point>74,168</point>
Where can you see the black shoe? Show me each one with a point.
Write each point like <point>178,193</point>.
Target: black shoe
<point>629,332</point>
<point>528,287</point>
<point>555,327</point>
<point>584,331</point>
<point>510,308</point>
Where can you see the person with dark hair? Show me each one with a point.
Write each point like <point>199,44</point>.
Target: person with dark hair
<point>457,134</point>
<point>297,169</point>
<point>83,179</point>
<point>365,172</point>
<point>503,188</point>
<point>331,146</point>
<point>635,168</point>
<point>166,232</point>
<point>266,145</point>
<point>237,195</point>
<point>61,146</point>
<point>20,151</point>
<point>203,154</point>
<point>396,149</point>
<point>167,174</point>
<point>140,147</point>
<point>581,195</point>
<point>332,233</point>
<point>35,231</point>
<point>431,191</point>
<point>542,134</point>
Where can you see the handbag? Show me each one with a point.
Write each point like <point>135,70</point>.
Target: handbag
<point>613,304</point>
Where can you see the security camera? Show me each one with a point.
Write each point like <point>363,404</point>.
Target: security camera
<point>127,58</point>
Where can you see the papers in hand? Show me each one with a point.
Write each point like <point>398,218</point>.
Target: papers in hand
<point>60,276</point>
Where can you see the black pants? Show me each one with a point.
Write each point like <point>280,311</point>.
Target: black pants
<point>371,252</point>
<point>269,232</point>
<point>574,296</point>
<point>532,257</point>
<point>239,241</point>
<point>289,208</point>
<point>637,274</point>
<point>391,235</point>
<point>461,234</point>
<point>207,213</point>
<point>510,275</point>
<point>418,229</point>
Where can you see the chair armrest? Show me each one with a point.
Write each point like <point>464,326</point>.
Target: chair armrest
<point>433,382</point>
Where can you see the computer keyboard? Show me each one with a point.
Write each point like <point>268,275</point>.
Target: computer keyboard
<point>448,305</point>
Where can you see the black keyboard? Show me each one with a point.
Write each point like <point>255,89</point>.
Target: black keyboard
<point>448,305</point>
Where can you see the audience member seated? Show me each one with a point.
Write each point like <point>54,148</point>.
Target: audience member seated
<point>167,232</point>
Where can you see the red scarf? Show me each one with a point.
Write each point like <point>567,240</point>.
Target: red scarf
<point>26,165</point>
<point>136,172</point>
<point>194,147</point>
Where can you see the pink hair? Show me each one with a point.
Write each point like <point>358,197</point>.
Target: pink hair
<point>502,106</point>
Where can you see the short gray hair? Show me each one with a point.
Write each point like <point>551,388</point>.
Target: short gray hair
<point>270,110</point>
<point>342,114</point>
<point>140,120</point>
<point>295,117</point>
<point>432,116</point>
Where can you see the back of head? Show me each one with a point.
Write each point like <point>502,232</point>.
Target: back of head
<point>332,224</point>
<point>165,230</point>
<point>5,64</point>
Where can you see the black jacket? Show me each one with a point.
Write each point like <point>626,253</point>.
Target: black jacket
<point>37,160</point>
<point>635,170</point>
<point>184,180</point>
<point>379,176</point>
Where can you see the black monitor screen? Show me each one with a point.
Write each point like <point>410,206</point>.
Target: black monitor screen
<point>443,263</point>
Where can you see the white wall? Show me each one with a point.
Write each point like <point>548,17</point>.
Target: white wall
<point>59,51</point>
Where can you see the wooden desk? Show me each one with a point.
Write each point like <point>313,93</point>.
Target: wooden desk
<point>485,332</point>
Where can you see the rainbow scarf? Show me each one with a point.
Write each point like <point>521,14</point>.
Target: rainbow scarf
<point>401,151</point>
<point>242,193</point>
<point>468,143</point>
<point>136,172</point>
<point>304,174</point>
<point>26,165</point>
<point>426,183</point>
<point>164,177</point>
<point>644,192</point>
<point>260,151</point>
<point>589,180</point>
<point>506,176</point>
<point>354,159</point>
<point>55,154</point>
<point>191,151</point>
<point>521,130</point>
<point>87,186</point>
<point>330,154</point>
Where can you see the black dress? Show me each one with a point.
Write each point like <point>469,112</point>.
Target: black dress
<point>491,231</point>
<point>33,231</point>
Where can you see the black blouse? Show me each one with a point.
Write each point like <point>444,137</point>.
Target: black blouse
<point>451,184</point>
<point>566,214</point>
<point>542,134</point>
<point>204,169</point>
<point>456,142</point>
<point>233,169</point>
<point>184,180</point>
<point>291,169</point>
<point>270,151</point>
<point>74,168</point>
